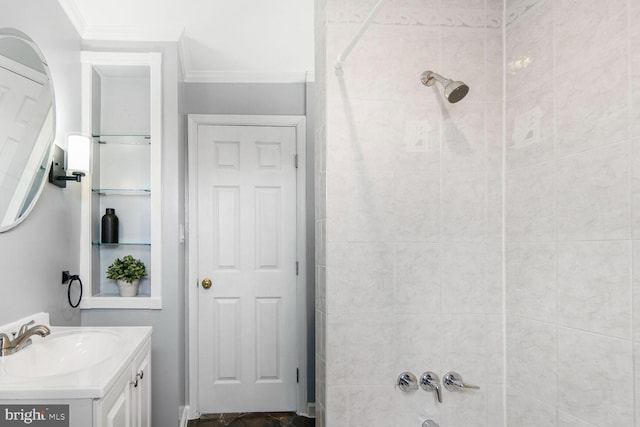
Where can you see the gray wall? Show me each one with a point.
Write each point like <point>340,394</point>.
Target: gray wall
<point>33,255</point>
<point>270,99</point>
<point>168,339</point>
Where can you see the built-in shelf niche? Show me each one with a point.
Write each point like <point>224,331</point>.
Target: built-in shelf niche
<point>122,113</point>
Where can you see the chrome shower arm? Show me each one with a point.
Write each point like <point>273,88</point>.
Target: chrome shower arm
<point>429,78</point>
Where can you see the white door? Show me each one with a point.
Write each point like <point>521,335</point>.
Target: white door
<point>19,117</point>
<point>246,184</point>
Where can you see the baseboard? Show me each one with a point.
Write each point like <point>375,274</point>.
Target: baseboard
<point>184,416</point>
<point>311,410</point>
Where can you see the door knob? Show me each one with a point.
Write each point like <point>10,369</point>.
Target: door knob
<point>206,283</point>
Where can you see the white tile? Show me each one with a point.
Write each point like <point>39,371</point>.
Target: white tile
<point>464,216</point>
<point>566,420</point>
<point>463,139</point>
<point>464,51</point>
<point>464,175</point>
<point>371,406</point>
<point>337,206</point>
<point>495,406</point>
<point>495,351</point>
<point>370,217</point>
<point>530,204</point>
<point>530,124</point>
<point>417,340</point>
<point>467,4</point>
<point>593,195</point>
<point>531,358</point>
<point>634,37</point>
<point>465,409</point>
<point>464,345</point>
<point>495,279</point>
<point>337,408</point>
<point>526,411</point>
<point>531,280</point>
<point>634,107</point>
<point>494,57</point>
<point>517,10</point>
<point>360,278</point>
<point>463,287</point>
<point>635,187</point>
<point>529,43</point>
<point>596,29</point>
<point>410,13</point>
<point>590,111</point>
<point>594,287</point>
<point>580,362</point>
<point>461,18</point>
<point>636,361</point>
<point>417,267</point>
<point>636,290</point>
<point>351,343</point>
<point>386,406</point>
<point>411,409</point>
<point>416,206</point>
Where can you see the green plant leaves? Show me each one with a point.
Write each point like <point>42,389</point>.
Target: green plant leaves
<point>128,269</point>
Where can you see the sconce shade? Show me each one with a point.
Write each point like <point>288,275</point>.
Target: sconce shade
<point>78,153</point>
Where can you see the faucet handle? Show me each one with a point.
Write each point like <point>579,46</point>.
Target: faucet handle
<point>5,343</point>
<point>430,381</point>
<point>453,382</point>
<point>407,382</point>
<point>23,328</point>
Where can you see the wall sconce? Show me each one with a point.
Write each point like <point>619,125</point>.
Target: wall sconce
<point>78,158</point>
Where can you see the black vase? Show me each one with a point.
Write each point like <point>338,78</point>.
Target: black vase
<point>110,227</point>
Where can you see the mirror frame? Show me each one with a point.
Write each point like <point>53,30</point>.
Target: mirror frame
<point>15,33</point>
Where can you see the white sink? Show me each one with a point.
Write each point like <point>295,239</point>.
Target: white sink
<point>61,353</point>
<point>73,362</point>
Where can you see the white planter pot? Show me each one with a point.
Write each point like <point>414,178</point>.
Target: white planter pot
<point>128,289</point>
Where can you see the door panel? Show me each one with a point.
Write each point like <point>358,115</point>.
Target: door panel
<point>247,247</point>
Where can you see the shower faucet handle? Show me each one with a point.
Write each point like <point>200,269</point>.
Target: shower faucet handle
<point>453,382</point>
<point>407,382</point>
<point>429,381</point>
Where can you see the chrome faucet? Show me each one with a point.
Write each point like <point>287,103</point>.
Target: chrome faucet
<point>429,381</point>
<point>22,339</point>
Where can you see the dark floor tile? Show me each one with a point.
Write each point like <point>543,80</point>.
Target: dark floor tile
<point>269,419</point>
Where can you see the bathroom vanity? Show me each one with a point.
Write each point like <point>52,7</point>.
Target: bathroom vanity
<point>102,374</point>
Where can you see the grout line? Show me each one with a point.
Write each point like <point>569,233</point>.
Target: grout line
<point>555,200</point>
<point>631,213</point>
<point>504,215</point>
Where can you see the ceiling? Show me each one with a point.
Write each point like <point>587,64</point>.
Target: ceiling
<point>219,40</point>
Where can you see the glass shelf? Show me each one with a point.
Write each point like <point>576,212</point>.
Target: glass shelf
<point>122,191</point>
<point>121,244</point>
<point>122,139</point>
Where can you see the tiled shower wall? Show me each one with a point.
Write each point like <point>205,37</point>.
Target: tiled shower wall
<point>573,212</point>
<point>409,257</point>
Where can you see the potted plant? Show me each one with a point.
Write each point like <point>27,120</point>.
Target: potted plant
<point>127,272</point>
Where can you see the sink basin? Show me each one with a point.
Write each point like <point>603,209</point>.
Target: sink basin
<point>61,353</point>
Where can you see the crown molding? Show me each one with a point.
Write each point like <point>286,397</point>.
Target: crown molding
<point>246,76</point>
<point>73,13</point>
<point>183,55</point>
<point>133,33</point>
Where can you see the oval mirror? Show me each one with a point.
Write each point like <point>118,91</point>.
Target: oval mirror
<point>27,125</point>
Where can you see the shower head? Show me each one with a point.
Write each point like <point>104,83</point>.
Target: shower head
<point>453,91</point>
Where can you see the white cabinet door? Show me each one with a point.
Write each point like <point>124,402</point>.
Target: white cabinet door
<point>141,401</point>
<point>114,410</point>
<point>128,403</point>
